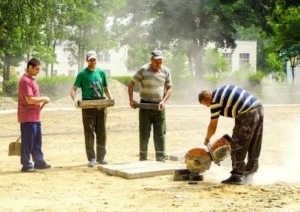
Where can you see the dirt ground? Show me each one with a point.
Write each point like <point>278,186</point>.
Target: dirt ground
<point>71,186</point>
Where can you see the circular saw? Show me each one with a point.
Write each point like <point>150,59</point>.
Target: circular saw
<point>199,160</point>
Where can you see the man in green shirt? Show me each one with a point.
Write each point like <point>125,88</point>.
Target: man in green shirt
<point>94,84</point>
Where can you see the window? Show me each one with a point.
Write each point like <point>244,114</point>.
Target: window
<point>244,58</point>
<point>228,57</point>
<point>54,73</point>
<point>107,71</point>
<point>104,57</point>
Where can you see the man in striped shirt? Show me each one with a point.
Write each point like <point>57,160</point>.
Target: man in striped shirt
<point>156,87</point>
<point>234,102</point>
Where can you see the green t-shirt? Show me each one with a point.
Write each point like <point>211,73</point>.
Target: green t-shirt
<point>92,83</point>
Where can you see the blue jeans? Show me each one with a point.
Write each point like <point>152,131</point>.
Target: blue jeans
<point>31,144</point>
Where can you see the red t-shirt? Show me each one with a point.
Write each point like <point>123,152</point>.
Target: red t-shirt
<point>27,112</point>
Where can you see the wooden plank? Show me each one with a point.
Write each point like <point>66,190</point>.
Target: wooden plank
<point>139,169</point>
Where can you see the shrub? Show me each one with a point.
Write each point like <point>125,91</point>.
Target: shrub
<point>55,86</point>
<point>10,88</point>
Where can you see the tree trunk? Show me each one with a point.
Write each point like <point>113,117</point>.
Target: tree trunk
<point>6,71</point>
<point>190,59</point>
<point>199,62</point>
<point>293,74</point>
<point>46,69</point>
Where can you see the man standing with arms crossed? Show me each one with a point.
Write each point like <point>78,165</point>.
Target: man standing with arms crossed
<point>156,87</point>
<point>29,109</point>
<point>93,84</point>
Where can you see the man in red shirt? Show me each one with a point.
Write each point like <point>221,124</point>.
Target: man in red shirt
<point>29,109</point>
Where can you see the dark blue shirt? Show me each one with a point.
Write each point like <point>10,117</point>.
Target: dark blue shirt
<point>230,101</point>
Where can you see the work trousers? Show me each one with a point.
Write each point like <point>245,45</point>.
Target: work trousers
<point>147,119</point>
<point>94,125</point>
<point>31,144</point>
<point>247,139</point>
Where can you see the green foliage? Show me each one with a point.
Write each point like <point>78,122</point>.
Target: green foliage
<point>275,63</point>
<point>256,78</point>
<point>188,25</point>
<point>138,55</point>
<point>33,29</point>
<point>56,86</point>
<point>286,25</point>
<point>122,79</point>
<point>176,61</point>
<point>87,30</point>
<point>243,78</point>
<point>125,81</point>
<point>11,87</point>
<point>214,62</point>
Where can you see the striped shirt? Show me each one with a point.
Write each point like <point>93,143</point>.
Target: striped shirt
<point>231,101</point>
<point>153,83</point>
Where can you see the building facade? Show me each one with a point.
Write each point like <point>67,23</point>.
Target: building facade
<point>245,54</point>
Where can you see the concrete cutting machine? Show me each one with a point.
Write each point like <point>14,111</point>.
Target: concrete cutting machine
<point>198,160</point>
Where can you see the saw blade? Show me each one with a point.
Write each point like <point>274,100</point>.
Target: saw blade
<point>197,160</point>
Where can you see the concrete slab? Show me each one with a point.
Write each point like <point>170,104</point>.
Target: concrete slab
<point>140,169</point>
<point>177,156</point>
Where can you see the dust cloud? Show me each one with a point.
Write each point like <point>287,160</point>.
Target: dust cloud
<point>279,160</point>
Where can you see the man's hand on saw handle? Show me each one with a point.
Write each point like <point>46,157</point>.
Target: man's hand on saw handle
<point>206,142</point>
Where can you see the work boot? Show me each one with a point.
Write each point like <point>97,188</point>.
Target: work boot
<point>28,170</point>
<point>43,166</point>
<point>91,163</point>
<point>102,162</point>
<point>233,179</point>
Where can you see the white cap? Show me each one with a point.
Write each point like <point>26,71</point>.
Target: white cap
<point>91,55</point>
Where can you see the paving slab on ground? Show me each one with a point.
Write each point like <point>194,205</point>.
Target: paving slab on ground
<point>177,156</point>
<point>140,169</point>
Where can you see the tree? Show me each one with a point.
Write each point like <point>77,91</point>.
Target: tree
<point>87,27</point>
<point>19,30</point>
<point>31,28</point>
<point>188,25</point>
<point>286,32</point>
<point>214,62</point>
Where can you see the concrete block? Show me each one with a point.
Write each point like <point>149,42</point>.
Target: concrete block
<point>139,169</point>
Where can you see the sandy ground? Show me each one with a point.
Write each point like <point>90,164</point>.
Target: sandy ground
<point>71,186</point>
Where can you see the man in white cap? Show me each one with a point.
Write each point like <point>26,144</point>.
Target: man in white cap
<point>156,87</point>
<point>94,84</point>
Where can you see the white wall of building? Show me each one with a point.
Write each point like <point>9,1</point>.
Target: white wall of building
<point>243,48</point>
<point>116,66</point>
<point>114,61</point>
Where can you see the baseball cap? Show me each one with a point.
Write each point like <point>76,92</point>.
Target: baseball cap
<point>157,54</point>
<point>91,55</point>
